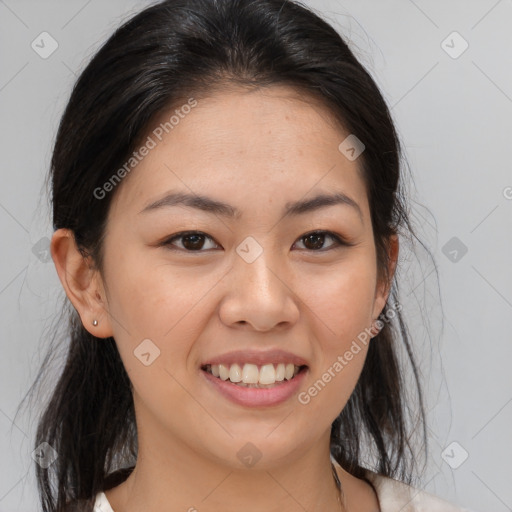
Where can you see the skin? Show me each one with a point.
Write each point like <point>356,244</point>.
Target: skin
<point>257,151</point>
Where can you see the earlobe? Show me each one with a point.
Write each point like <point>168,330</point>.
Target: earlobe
<point>81,282</point>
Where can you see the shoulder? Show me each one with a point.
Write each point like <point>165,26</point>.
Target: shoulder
<point>395,495</point>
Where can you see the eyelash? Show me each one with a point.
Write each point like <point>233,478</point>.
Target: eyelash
<point>339,241</point>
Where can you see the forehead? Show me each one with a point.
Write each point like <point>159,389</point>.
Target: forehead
<point>268,145</point>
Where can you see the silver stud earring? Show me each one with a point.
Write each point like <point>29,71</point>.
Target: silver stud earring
<point>95,322</point>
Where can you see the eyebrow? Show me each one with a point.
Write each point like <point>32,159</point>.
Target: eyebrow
<point>213,206</point>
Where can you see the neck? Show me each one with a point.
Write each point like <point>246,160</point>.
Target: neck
<point>180,479</point>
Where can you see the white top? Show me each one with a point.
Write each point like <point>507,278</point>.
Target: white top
<point>392,495</point>
<point>101,504</point>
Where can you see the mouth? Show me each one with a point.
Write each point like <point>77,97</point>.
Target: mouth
<point>249,375</point>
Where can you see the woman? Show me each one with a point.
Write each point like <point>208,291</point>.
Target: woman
<point>227,206</point>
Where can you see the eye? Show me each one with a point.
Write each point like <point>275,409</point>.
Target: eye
<point>315,240</point>
<point>194,241</point>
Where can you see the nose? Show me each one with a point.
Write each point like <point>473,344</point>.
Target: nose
<point>259,295</point>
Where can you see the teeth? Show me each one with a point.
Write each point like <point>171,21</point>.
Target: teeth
<point>268,374</point>
<point>223,371</point>
<point>249,375</point>
<point>235,373</point>
<point>288,371</point>
<point>280,372</point>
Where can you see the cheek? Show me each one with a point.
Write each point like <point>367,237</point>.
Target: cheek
<point>329,390</point>
<point>149,296</point>
<point>154,327</point>
<point>342,299</point>
<point>339,309</point>
<point>157,302</point>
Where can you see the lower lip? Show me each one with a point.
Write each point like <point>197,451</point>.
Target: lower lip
<point>256,397</point>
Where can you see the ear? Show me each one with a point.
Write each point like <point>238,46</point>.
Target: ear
<point>383,287</point>
<point>82,283</point>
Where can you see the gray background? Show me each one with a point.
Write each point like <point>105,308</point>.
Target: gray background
<point>453,111</point>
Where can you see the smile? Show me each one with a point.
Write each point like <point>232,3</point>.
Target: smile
<point>266,390</point>
<point>254,376</point>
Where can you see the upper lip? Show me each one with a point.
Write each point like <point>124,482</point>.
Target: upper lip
<point>257,357</point>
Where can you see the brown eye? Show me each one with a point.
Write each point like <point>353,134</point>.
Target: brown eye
<point>192,241</point>
<point>314,241</point>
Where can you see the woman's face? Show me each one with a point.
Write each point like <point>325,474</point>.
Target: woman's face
<point>250,283</point>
